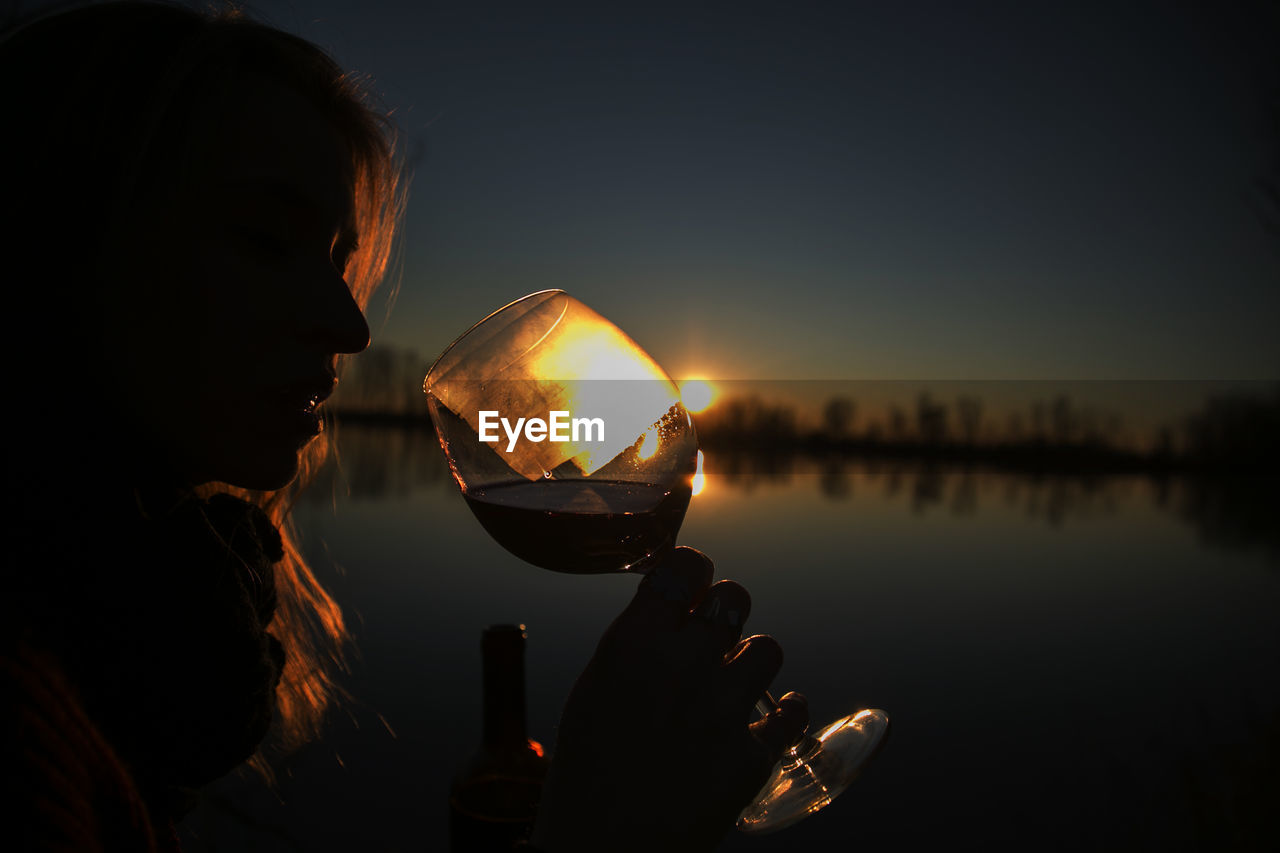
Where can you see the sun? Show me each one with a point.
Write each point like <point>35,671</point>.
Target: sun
<point>697,394</point>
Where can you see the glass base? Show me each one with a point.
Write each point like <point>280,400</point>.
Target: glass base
<point>815,771</point>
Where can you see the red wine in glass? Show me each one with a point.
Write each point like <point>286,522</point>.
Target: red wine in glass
<point>582,526</point>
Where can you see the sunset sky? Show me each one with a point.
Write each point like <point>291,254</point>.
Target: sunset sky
<point>839,190</point>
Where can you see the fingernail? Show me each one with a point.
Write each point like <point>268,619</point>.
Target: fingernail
<point>794,699</point>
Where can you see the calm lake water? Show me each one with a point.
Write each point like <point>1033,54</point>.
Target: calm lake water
<point>1068,663</point>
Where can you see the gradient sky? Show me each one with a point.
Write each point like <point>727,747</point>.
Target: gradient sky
<point>839,190</point>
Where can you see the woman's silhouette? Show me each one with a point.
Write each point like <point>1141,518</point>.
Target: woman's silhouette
<point>196,210</point>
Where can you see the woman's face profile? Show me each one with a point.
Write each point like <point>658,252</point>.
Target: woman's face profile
<point>231,340</point>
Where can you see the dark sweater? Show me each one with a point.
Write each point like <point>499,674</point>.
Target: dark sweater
<point>132,680</point>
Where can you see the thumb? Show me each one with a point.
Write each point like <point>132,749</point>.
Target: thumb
<point>669,591</point>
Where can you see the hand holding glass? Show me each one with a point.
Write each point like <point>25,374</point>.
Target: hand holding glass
<point>572,448</point>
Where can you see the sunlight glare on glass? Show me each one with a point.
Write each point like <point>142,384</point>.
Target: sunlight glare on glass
<point>593,363</point>
<point>699,481</point>
<point>697,394</point>
<point>599,350</point>
<point>648,445</point>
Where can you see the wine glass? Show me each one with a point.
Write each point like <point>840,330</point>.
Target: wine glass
<point>572,448</point>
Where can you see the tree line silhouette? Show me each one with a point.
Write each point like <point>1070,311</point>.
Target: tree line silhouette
<point>1230,432</point>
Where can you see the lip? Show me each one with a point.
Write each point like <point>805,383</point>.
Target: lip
<point>293,404</point>
<point>306,392</point>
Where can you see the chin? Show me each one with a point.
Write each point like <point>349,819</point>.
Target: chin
<point>263,469</point>
<point>257,478</point>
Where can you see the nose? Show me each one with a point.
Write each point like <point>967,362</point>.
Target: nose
<point>336,322</point>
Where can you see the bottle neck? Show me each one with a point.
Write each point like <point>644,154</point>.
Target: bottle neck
<point>504,709</point>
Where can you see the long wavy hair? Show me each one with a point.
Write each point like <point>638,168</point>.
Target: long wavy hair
<point>98,103</point>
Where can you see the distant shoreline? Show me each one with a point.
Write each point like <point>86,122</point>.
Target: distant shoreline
<point>1034,456</point>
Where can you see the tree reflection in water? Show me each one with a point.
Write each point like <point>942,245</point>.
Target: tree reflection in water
<point>1228,510</point>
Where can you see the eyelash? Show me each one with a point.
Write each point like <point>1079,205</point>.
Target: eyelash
<point>274,246</point>
<point>341,256</point>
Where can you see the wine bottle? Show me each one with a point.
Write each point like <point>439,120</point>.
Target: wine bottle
<point>494,797</point>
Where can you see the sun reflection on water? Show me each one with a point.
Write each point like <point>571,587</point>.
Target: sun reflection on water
<point>699,479</point>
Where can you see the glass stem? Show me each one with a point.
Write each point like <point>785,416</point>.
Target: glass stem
<point>765,704</point>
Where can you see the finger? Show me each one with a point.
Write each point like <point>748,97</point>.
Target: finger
<point>671,589</point>
<point>783,727</point>
<point>720,617</point>
<point>751,669</point>
<point>650,623</point>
